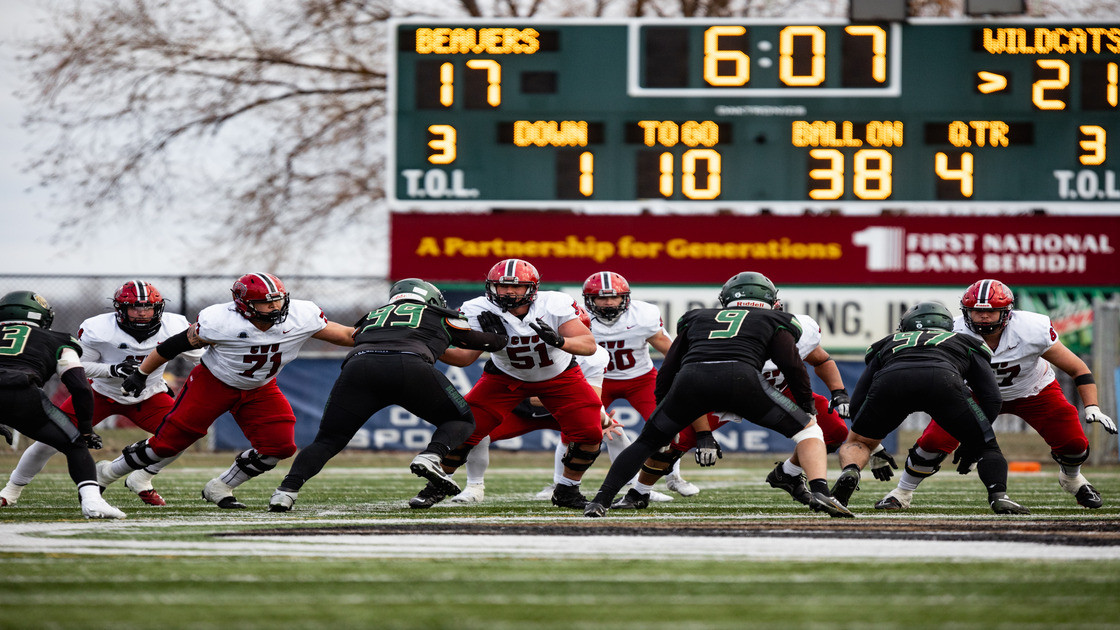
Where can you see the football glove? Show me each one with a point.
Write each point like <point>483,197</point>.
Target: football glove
<point>964,458</point>
<point>881,465</point>
<point>707,449</point>
<point>1093,414</point>
<point>134,384</point>
<point>7,433</point>
<point>124,368</point>
<point>547,333</point>
<point>91,440</point>
<point>492,323</point>
<point>840,402</point>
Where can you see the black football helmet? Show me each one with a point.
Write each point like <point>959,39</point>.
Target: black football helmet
<point>926,315</point>
<point>748,288</point>
<point>26,306</point>
<point>417,290</point>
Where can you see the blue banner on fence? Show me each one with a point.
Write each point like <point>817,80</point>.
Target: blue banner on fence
<point>307,384</point>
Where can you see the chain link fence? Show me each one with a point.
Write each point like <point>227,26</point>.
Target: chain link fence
<point>76,298</point>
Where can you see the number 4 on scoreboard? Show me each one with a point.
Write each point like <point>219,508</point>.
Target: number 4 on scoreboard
<point>962,174</point>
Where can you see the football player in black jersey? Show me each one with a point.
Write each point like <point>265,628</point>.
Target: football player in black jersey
<point>925,366</point>
<point>30,353</point>
<point>715,364</point>
<point>393,363</point>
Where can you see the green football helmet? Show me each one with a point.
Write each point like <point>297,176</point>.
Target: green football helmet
<point>26,306</point>
<point>748,285</point>
<point>926,315</point>
<point>417,290</point>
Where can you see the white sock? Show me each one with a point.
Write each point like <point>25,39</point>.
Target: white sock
<point>558,462</point>
<point>478,460</point>
<point>89,491</point>
<point>790,468</point>
<point>908,482</point>
<point>564,481</point>
<point>31,463</point>
<point>641,487</point>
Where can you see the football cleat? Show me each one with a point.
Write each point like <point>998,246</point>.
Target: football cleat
<point>546,493</point>
<point>659,497</point>
<point>1003,505</point>
<point>896,499</point>
<point>282,500</point>
<point>426,465</point>
<point>846,484</point>
<point>793,484</point>
<point>680,486</point>
<point>105,476</point>
<point>568,497</point>
<point>594,510</point>
<point>10,494</point>
<point>147,495</point>
<point>473,493</point>
<point>220,494</point>
<point>823,503</point>
<point>633,500</point>
<point>98,508</point>
<point>428,496</point>
<point>1081,490</point>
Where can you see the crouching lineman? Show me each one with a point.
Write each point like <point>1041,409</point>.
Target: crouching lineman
<point>393,363</point>
<point>924,367</point>
<point>247,341</point>
<point>715,363</point>
<point>30,353</point>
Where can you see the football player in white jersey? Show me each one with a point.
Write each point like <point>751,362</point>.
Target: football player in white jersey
<point>1025,350</point>
<point>627,328</point>
<point>545,336</point>
<point>113,344</point>
<point>247,342</point>
<point>530,416</point>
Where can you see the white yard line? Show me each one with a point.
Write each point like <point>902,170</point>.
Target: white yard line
<point>142,538</point>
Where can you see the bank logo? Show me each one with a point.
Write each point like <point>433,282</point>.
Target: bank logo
<point>885,247</point>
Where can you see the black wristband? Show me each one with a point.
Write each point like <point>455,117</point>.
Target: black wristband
<point>842,390</point>
<point>1084,379</point>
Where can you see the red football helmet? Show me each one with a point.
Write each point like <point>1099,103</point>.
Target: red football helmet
<point>987,295</point>
<point>138,294</point>
<point>606,284</point>
<point>260,287</point>
<point>512,271</point>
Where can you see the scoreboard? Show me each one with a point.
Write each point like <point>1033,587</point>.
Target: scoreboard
<point>711,114</point>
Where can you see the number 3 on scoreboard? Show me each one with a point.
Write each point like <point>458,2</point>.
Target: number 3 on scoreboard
<point>442,143</point>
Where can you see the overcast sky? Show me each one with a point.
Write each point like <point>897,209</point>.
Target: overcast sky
<point>28,220</point>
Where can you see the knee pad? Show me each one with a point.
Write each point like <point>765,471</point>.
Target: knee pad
<point>1070,460</point>
<point>921,466</point>
<point>578,459</point>
<point>139,455</point>
<point>666,456</point>
<point>457,457</point>
<point>254,464</point>
<point>813,431</point>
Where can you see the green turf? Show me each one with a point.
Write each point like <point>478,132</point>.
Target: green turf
<point>169,590</point>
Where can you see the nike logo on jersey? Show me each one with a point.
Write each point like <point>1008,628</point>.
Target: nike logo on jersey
<point>288,331</point>
<point>631,326</point>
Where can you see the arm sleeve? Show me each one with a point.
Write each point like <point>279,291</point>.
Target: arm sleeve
<point>81,396</point>
<point>475,340</point>
<point>985,390</point>
<point>783,351</point>
<point>91,362</point>
<point>671,365</point>
<point>174,345</point>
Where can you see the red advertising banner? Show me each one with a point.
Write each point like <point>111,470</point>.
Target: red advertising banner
<point>833,250</point>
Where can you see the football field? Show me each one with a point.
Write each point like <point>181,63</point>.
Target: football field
<point>739,554</point>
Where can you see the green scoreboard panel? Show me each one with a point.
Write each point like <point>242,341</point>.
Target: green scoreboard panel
<point>736,113</point>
